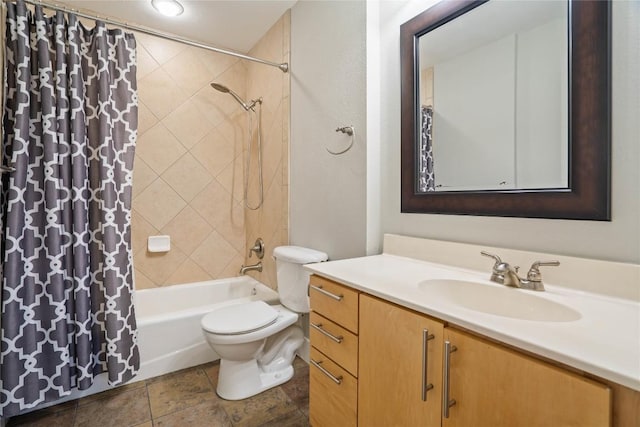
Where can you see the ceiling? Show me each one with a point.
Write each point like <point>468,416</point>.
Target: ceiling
<point>235,25</point>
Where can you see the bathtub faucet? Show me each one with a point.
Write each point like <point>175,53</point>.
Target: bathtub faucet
<point>245,268</point>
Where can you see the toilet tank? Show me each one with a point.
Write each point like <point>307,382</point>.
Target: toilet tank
<point>293,280</point>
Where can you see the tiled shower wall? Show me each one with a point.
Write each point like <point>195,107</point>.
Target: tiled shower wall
<point>188,177</point>
<point>271,221</point>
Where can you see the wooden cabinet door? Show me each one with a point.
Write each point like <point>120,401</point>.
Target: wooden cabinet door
<point>494,386</point>
<point>391,373</point>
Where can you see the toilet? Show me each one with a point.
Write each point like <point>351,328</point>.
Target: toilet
<point>257,342</point>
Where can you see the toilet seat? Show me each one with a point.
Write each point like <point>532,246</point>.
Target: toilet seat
<point>240,318</point>
<point>284,318</point>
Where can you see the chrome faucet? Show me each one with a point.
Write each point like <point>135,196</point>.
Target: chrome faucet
<point>507,275</point>
<point>254,267</point>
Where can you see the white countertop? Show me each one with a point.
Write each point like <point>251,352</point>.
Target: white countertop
<point>604,341</point>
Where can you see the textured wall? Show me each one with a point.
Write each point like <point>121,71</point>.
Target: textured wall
<point>271,221</point>
<point>328,89</point>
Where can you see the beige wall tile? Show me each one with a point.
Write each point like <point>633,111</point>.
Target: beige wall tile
<point>187,124</point>
<point>159,266</point>
<point>141,281</point>
<point>188,272</point>
<point>187,177</point>
<point>146,119</point>
<point>231,226</point>
<point>143,176</point>
<point>214,254</point>
<point>232,178</point>
<point>233,268</point>
<point>214,152</point>
<point>187,230</point>
<point>188,71</point>
<point>216,63</point>
<point>214,204</point>
<point>160,49</point>
<point>159,148</point>
<point>141,229</point>
<point>158,203</point>
<point>160,93</point>
<point>146,63</point>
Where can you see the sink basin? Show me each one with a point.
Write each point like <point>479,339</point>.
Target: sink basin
<point>499,300</point>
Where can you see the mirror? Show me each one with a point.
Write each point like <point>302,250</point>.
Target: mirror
<point>506,109</point>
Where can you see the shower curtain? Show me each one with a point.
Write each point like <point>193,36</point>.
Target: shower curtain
<point>426,176</point>
<point>70,123</point>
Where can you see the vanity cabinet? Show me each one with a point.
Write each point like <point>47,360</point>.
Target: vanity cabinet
<point>400,366</point>
<point>495,386</point>
<point>333,376</point>
<point>402,355</point>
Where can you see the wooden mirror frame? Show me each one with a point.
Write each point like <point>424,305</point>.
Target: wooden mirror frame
<point>588,194</point>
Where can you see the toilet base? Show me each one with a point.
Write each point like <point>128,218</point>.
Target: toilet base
<point>239,380</point>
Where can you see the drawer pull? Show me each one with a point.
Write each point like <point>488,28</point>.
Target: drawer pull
<point>319,328</point>
<point>446,401</point>
<point>337,380</point>
<point>426,385</point>
<point>327,293</point>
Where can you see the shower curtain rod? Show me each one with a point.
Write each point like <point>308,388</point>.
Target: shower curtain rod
<point>284,67</point>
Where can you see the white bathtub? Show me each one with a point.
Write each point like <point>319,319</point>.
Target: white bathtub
<point>169,334</point>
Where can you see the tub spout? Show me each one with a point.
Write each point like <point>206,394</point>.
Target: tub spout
<point>245,268</point>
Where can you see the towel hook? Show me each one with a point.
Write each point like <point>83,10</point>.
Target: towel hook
<point>349,130</point>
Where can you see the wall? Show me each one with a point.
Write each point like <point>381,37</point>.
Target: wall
<point>271,221</point>
<point>328,89</point>
<point>188,168</point>
<point>617,240</point>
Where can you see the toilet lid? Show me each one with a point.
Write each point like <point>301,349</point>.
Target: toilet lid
<point>239,318</point>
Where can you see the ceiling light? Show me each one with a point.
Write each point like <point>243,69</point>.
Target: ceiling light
<point>168,7</point>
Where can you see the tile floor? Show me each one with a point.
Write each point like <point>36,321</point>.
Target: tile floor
<point>183,398</point>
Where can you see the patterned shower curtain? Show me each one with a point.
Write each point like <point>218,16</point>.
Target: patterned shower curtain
<point>70,124</point>
<point>426,176</point>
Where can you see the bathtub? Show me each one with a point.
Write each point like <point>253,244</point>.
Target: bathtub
<point>169,334</point>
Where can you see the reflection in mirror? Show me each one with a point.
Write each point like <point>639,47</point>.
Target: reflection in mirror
<point>493,99</point>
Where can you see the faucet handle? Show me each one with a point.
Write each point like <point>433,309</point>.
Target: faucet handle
<point>495,257</point>
<point>258,248</point>
<point>534,274</point>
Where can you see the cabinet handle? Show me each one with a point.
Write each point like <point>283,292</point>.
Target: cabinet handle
<point>426,385</point>
<point>327,293</point>
<point>446,401</point>
<point>337,380</point>
<point>319,328</point>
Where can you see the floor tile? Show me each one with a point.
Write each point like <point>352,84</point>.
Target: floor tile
<point>293,419</point>
<point>129,408</point>
<point>212,369</point>
<point>110,393</point>
<point>147,424</point>
<point>297,388</point>
<point>260,409</point>
<point>208,414</point>
<point>45,418</point>
<point>178,391</point>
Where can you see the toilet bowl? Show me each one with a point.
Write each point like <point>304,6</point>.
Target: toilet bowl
<point>257,342</point>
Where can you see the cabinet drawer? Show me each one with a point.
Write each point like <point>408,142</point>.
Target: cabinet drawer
<point>334,341</point>
<point>335,302</point>
<point>331,404</point>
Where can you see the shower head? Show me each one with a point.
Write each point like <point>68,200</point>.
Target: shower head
<point>224,89</point>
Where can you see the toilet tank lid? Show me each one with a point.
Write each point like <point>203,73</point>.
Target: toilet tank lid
<point>299,255</point>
